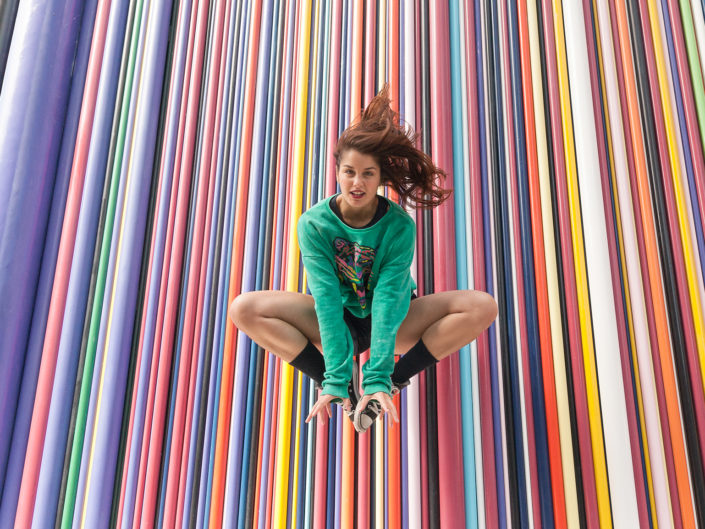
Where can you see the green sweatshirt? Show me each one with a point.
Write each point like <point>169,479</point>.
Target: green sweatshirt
<point>366,270</point>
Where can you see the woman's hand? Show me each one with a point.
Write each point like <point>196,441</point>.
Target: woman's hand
<point>385,401</point>
<point>322,406</point>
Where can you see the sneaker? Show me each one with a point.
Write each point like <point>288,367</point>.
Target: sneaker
<point>366,418</point>
<point>353,392</point>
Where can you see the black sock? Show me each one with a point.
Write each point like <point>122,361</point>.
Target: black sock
<point>310,362</point>
<point>414,361</point>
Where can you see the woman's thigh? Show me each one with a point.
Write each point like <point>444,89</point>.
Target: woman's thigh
<point>424,311</point>
<point>293,308</point>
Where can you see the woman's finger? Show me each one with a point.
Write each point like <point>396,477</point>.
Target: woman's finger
<point>313,413</point>
<point>388,405</point>
<point>317,408</point>
<point>393,411</point>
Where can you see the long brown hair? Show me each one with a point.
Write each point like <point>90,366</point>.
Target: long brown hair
<point>408,170</point>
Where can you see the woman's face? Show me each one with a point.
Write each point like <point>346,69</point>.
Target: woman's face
<point>359,176</point>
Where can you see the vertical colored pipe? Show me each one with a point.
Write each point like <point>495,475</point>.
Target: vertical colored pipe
<point>14,163</point>
<point>452,506</point>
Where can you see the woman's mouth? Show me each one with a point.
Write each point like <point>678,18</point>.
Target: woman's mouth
<point>356,194</point>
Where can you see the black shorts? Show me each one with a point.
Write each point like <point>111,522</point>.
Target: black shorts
<point>361,329</point>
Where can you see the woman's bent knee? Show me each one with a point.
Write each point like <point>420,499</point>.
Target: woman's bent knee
<point>242,309</point>
<point>480,307</point>
<point>235,311</point>
<point>484,308</point>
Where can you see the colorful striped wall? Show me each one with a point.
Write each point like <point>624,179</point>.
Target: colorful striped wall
<point>154,160</point>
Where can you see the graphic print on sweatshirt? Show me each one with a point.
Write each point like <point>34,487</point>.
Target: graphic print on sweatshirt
<point>354,262</point>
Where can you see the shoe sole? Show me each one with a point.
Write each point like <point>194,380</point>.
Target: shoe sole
<point>364,421</point>
<point>356,387</point>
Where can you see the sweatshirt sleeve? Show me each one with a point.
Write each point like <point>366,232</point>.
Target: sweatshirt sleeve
<point>325,289</point>
<point>390,305</point>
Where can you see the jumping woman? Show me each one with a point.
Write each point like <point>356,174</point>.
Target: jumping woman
<point>357,248</point>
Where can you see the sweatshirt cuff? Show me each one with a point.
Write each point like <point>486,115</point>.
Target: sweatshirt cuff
<point>337,390</point>
<point>374,387</point>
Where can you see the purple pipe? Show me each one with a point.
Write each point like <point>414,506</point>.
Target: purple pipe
<point>172,122</point>
<point>250,268</point>
<point>67,360</point>
<point>120,172</point>
<point>23,418</point>
<point>99,487</point>
<point>33,107</point>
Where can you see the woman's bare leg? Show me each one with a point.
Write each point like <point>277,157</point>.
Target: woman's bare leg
<point>446,321</point>
<point>279,321</point>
